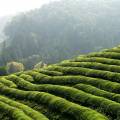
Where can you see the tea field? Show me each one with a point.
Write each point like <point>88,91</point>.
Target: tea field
<point>83,88</point>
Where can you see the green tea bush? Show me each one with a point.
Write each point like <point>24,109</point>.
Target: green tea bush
<point>14,113</point>
<point>115,77</point>
<point>103,60</point>
<point>112,55</point>
<point>92,65</point>
<point>50,73</point>
<point>56,103</point>
<point>26,77</point>
<point>73,94</point>
<point>35,75</point>
<point>96,91</point>
<point>72,80</point>
<point>27,110</point>
<point>7,82</point>
<point>84,88</point>
<point>115,49</point>
<point>20,82</point>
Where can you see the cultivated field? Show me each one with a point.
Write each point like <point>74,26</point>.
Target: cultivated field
<point>83,88</point>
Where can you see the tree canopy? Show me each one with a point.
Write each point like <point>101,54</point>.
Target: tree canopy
<point>62,29</point>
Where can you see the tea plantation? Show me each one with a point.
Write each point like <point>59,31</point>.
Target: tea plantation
<point>84,88</point>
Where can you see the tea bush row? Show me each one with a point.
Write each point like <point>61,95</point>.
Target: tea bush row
<point>115,77</point>
<point>63,106</point>
<point>92,65</point>
<point>96,59</point>
<point>112,55</point>
<point>7,82</point>
<point>75,95</point>
<point>27,110</point>
<point>96,91</point>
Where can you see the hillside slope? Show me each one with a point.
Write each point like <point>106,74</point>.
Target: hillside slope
<point>83,88</point>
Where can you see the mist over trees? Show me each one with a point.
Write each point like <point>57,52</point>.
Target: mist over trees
<point>3,21</point>
<point>61,30</point>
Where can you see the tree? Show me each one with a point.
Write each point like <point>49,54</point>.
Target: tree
<point>40,65</point>
<point>61,30</point>
<point>30,61</point>
<point>13,67</point>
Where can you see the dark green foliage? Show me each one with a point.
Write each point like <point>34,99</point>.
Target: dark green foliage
<point>71,28</point>
<point>3,71</point>
<point>15,113</point>
<point>50,73</point>
<point>30,61</point>
<point>24,112</point>
<point>52,115</point>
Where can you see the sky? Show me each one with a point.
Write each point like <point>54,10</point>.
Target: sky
<point>12,7</point>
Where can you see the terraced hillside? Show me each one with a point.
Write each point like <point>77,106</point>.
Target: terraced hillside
<point>83,88</point>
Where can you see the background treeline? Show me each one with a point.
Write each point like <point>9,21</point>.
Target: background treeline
<point>61,30</point>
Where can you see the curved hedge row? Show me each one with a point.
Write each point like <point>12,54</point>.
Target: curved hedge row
<point>14,113</point>
<point>72,80</point>
<point>87,88</point>
<point>74,110</point>
<point>96,91</point>
<point>35,74</point>
<point>115,49</point>
<point>26,77</point>
<point>112,55</point>
<point>50,73</point>
<point>115,77</point>
<point>96,59</point>
<point>7,83</point>
<point>92,65</point>
<point>75,95</point>
<point>27,110</point>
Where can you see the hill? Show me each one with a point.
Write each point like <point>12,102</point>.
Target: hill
<point>84,88</point>
<point>63,29</point>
